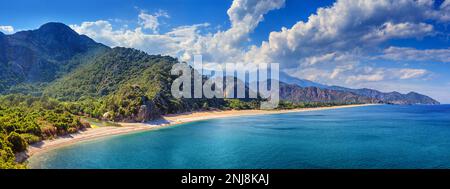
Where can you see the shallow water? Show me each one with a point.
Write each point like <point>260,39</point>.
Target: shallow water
<point>361,137</point>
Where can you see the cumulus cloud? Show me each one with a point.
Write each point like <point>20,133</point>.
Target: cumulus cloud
<point>346,25</point>
<point>226,46</point>
<point>336,45</point>
<point>7,29</point>
<point>170,43</point>
<point>245,15</point>
<point>390,30</point>
<point>185,41</point>
<point>149,21</point>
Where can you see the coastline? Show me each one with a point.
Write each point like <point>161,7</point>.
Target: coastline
<point>165,121</point>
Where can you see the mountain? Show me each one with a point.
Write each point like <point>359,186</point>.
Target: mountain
<point>43,55</point>
<point>374,95</point>
<point>300,82</point>
<point>332,91</point>
<point>105,74</point>
<point>295,93</point>
<point>391,97</point>
<point>131,85</point>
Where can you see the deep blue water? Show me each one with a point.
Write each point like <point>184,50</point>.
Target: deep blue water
<point>363,137</point>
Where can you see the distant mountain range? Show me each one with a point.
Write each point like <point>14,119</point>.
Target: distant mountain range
<point>69,66</point>
<point>295,89</point>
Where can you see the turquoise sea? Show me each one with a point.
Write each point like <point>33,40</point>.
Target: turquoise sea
<point>382,136</point>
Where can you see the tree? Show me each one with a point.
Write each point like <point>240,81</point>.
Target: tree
<point>18,143</point>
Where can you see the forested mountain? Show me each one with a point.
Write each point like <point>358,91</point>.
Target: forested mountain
<point>131,85</point>
<point>42,55</point>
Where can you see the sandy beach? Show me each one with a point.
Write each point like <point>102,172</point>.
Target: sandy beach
<point>165,121</point>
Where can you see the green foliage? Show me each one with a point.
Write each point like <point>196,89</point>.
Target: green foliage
<point>18,144</point>
<point>124,85</point>
<point>126,103</point>
<point>7,158</point>
<point>26,120</point>
<point>292,105</point>
<point>30,138</point>
<point>238,104</point>
<point>105,74</point>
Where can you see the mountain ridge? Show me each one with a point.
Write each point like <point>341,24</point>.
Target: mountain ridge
<point>376,96</point>
<point>43,54</point>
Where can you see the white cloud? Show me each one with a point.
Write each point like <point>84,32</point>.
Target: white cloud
<point>382,74</point>
<point>412,54</point>
<point>445,7</point>
<point>245,15</point>
<point>171,43</point>
<point>390,30</point>
<point>377,76</point>
<point>149,21</point>
<point>183,42</point>
<point>347,25</point>
<point>7,29</point>
<point>336,45</point>
<point>226,46</point>
<point>443,15</point>
<point>412,73</point>
<point>355,70</point>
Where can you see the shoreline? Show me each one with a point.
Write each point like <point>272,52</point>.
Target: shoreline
<point>165,121</point>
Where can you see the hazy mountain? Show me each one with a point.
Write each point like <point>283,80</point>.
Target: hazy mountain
<point>300,82</point>
<point>391,97</point>
<point>295,93</point>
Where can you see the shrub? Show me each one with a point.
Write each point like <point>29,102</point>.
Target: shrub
<point>85,124</point>
<point>30,138</point>
<point>72,130</point>
<point>49,132</point>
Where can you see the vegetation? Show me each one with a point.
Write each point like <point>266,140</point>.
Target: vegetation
<point>293,105</point>
<point>26,120</point>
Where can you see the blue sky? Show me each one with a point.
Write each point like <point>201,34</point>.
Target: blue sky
<point>387,45</point>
